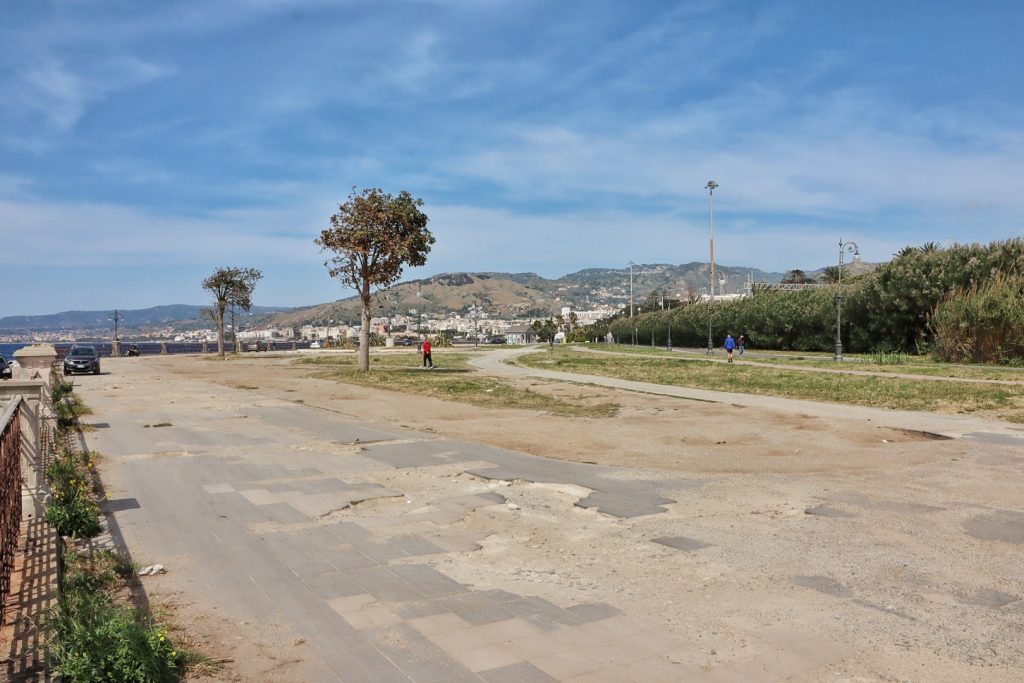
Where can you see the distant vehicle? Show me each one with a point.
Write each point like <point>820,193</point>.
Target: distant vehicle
<point>497,340</point>
<point>82,359</point>
<point>252,346</point>
<point>404,341</point>
<point>5,369</point>
<point>315,345</point>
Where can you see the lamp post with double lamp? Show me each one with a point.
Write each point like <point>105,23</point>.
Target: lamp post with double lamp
<point>843,247</point>
<point>115,348</point>
<point>710,187</point>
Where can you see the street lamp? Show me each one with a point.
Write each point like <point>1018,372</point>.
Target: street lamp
<point>843,247</point>
<point>710,187</point>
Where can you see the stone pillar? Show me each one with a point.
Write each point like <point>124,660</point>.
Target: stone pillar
<point>163,348</point>
<point>115,348</point>
<point>389,342</point>
<point>35,360</point>
<point>206,347</point>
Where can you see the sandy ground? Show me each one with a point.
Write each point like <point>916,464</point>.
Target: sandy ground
<point>902,554</point>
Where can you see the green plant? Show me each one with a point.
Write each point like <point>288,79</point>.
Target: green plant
<point>92,639</point>
<point>885,358</point>
<point>72,509</point>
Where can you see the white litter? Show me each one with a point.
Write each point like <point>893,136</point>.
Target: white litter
<point>152,569</point>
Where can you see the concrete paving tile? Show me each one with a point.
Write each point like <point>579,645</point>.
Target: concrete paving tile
<point>524,606</point>
<point>218,488</point>
<point>594,611</point>
<point>417,610</point>
<point>414,546</point>
<point>504,631</point>
<point>343,559</point>
<point>335,584</point>
<point>282,513</point>
<point>498,595</point>
<point>484,657</point>
<point>442,670</point>
<point>370,617</point>
<point>445,622</point>
<point>404,645</point>
<point>385,585</point>
<point>536,646</point>
<point>351,603</point>
<point>498,633</point>
<point>566,664</point>
<point>610,675</point>
<point>476,608</point>
<point>260,496</point>
<point>381,553</point>
<point>428,581</point>
<point>551,621</point>
<point>680,543</point>
<point>582,635</point>
<point>349,532</point>
<point>520,672</point>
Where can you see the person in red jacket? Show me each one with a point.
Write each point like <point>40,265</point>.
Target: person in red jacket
<point>427,360</point>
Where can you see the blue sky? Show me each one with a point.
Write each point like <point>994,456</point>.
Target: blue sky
<point>143,144</point>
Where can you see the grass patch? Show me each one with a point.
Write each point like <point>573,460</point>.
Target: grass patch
<point>887,392</point>
<point>92,638</point>
<point>900,363</point>
<point>453,380</point>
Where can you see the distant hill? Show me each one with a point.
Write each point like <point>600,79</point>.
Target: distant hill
<point>530,295</point>
<point>507,295</point>
<point>173,314</point>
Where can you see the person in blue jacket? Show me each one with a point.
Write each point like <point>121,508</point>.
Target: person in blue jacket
<point>730,344</point>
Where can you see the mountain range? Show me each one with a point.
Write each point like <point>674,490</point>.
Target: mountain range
<point>506,295</point>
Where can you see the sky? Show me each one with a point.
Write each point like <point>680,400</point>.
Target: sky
<point>145,144</point>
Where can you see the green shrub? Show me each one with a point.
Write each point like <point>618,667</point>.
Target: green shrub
<point>72,510</point>
<point>983,323</point>
<point>93,640</point>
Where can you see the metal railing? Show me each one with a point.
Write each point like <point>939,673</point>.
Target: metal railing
<point>10,493</point>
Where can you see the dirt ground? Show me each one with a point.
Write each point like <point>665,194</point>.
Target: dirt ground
<point>903,554</point>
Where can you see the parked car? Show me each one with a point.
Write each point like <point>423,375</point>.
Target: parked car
<point>315,345</point>
<point>5,369</point>
<point>404,341</point>
<point>82,358</point>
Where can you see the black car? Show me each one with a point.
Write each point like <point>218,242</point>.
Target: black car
<point>82,359</point>
<point>5,369</point>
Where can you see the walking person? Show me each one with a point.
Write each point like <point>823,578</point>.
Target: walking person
<point>730,344</point>
<point>427,360</point>
<point>741,343</point>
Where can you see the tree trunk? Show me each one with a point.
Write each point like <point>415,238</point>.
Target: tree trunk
<point>364,330</point>
<point>220,330</point>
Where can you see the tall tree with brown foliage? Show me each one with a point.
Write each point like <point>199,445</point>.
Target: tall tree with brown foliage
<point>373,236</point>
<point>230,287</point>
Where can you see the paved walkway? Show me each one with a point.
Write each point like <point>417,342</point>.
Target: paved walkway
<point>244,500</point>
<point>953,426</point>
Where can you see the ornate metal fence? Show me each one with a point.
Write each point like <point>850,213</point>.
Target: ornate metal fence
<point>10,493</point>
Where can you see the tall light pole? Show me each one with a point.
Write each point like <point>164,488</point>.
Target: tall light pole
<point>843,247</point>
<point>710,187</point>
